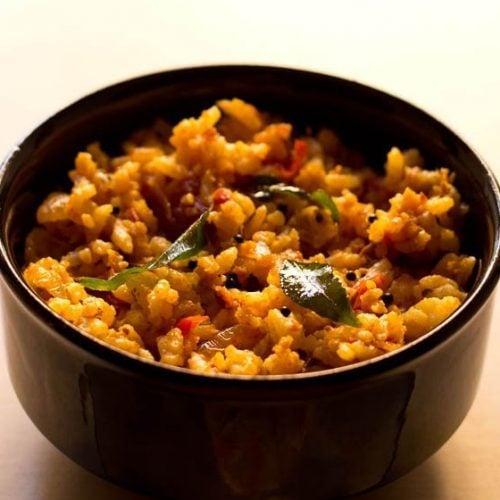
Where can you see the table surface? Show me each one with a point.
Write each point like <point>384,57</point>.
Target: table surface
<point>442,56</point>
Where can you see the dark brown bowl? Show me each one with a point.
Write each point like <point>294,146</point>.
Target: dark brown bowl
<point>179,434</point>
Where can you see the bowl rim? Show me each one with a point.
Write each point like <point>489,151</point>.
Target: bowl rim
<point>32,304</point>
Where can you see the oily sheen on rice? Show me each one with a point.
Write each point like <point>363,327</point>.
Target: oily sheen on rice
<point>395,247</point>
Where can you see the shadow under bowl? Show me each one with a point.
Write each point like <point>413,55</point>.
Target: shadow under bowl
<point>179,434</point>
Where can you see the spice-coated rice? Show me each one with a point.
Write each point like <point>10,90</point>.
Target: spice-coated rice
<point>395,248</point>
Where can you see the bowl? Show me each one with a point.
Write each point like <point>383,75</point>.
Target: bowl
<point>178,434</point>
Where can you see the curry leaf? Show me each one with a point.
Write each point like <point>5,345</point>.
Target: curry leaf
<point>314,286</point>
<point>111,283</point>
<point>188,244</point>
<point>319,196</point>
<point>279,189</point>
<point>323,199</point>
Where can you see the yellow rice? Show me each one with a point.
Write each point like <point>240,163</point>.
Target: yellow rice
<point>398,233</point>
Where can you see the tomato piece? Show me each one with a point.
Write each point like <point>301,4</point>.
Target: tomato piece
<point>189,323</point>
<point>221,195</point>
<point>299,156</point>
<point>381,281</point>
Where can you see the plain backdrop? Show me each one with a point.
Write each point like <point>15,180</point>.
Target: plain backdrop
<point>443,56</point>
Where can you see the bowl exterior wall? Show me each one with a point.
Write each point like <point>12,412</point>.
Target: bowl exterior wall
<point>150,436</point>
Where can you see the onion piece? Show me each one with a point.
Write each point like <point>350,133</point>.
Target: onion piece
<point>218,342</point>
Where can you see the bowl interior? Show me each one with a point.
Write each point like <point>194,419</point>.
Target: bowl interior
<point>365,119</point>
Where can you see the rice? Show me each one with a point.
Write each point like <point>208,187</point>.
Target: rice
<point>394,248</point>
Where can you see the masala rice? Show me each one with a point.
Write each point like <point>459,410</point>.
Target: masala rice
<point>395,249</point>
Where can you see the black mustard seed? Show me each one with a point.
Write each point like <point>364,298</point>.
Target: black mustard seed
<point>285,311</point>
<point>232,281</point>
<point>387,298</point>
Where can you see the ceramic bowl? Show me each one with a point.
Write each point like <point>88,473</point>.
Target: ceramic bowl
<point>178,434</point>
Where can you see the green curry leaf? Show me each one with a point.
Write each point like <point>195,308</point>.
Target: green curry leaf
<point>111,283</point>
<point>314,286</point>
<point>268,191</point>
<point>319,196</point>
<point>323,199</point>
<point>188,244</point>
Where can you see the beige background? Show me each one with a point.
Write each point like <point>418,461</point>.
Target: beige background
<point>439,55</point>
